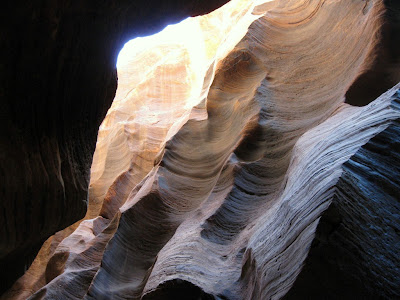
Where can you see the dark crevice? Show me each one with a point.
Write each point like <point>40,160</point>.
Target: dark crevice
<point>384,72</point>
<point>179,289</point>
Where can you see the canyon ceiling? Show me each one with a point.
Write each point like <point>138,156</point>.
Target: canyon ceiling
<point>255,156</point>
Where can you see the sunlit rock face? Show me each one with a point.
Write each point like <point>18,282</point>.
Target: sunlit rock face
<point>219,155</point>
<point>58,79</point>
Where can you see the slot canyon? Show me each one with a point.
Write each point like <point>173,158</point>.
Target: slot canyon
<point>249,151</point>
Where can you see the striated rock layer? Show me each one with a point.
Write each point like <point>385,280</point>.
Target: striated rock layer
<point>356,237</point>
<point>58,79</point>
<point>219,155</point>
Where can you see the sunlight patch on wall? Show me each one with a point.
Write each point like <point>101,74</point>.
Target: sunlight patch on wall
<point>160,79</point>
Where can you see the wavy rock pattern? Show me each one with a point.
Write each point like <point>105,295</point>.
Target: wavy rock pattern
<point>58,79</point>
<point>215,172</point>
<point>356,238</point>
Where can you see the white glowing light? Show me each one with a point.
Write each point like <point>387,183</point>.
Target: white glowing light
<point>175,33</point>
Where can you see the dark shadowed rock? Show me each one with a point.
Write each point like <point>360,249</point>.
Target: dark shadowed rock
<point>58,78</point>
<point>355,254</point>
<point>211,172</point>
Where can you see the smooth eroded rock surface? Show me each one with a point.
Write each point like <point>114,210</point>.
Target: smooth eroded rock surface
<point>58,79</point>
<point>217,158</point>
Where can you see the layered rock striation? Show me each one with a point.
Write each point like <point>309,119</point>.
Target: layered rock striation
<point>58,79</point>
<point>356,237</point>
<point>219,155</point>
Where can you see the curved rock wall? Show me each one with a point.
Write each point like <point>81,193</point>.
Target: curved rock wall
<point>58,79</point>
<point>356,238</point>
<point>214,165</point>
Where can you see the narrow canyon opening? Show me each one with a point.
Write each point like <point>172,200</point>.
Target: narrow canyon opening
<point>229,136</point>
